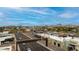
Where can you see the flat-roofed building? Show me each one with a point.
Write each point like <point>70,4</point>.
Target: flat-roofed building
<point>7,39</point>
<point>6,48</point>
<point>62,41</point>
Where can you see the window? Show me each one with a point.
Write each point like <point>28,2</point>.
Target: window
<point>54,43</point>
<point>58,45</point>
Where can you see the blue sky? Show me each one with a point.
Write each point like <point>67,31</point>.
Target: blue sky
<point>38,15</point>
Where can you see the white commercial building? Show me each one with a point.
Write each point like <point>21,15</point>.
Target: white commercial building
<point>7,48</point>
<point>4,36</point>
<point>64,41</point>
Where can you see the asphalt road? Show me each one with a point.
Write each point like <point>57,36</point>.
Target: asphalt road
<point>30,46</point>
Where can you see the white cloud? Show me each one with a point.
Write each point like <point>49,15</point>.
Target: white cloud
<point>43,11</point>
<point>29,9</point>
<point>38,11</point>
<point>68,15</point>
<point>1,14</point>
<point>17,8</point>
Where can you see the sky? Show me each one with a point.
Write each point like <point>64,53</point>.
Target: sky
<point>38,15</point>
